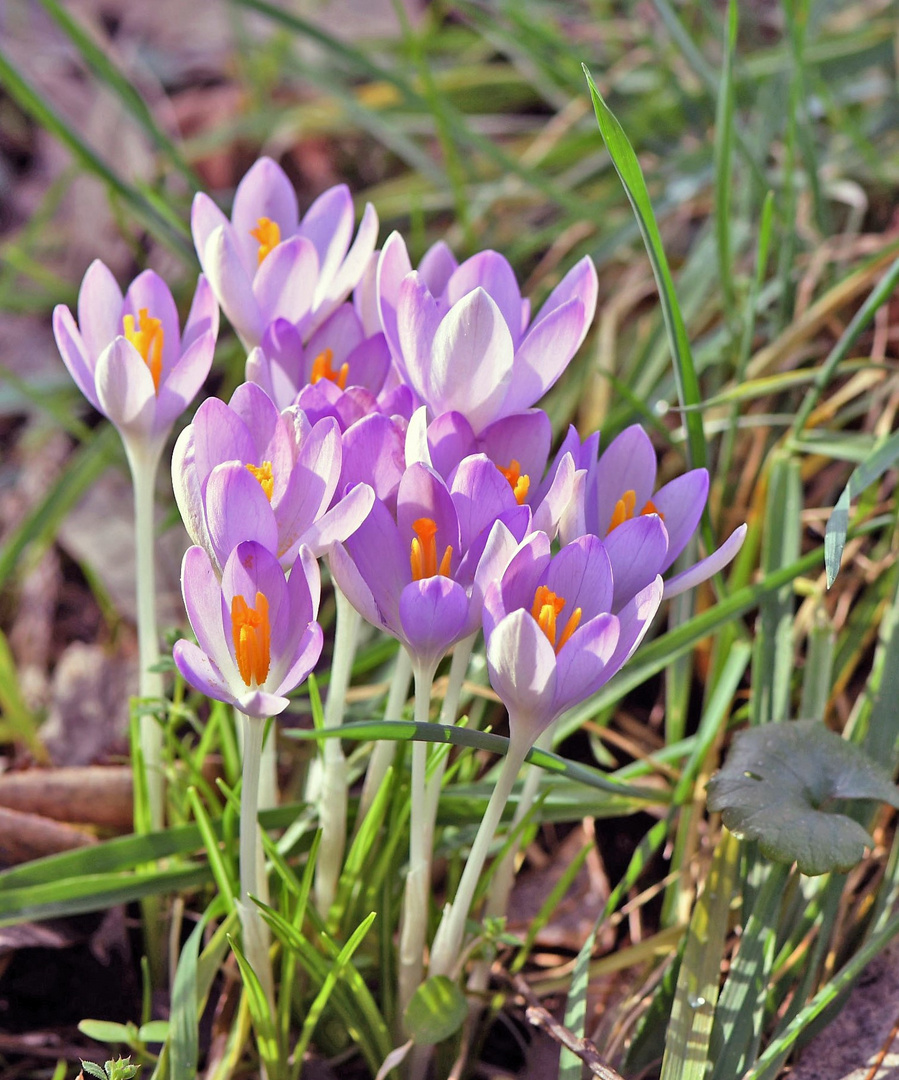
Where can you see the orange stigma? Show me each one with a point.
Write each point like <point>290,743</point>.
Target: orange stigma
<point>147,339</point>
<point>263,474</point>
<point>268,233</point>
<point>252,638</point>
<point>547,607</point>
<point>520,484</point>
<point>423,556</point>
<point>624,509</point>
<point>321,369</point>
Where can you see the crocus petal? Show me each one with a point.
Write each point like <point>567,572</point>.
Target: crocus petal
<point>99,308</point>
<point>74,353</point>
<point>125,389</point>
<point>232,285</point>
<point>200,672</point>
<point>680,504</point>
<point>628,464</point>
<point>341,521</point>
<point>306,657</point>
<point>634,620</point>
<point>480,493</point>
<point>203,317</point>
<point>523,437</point>
<point>149,291</point>
<point>548,513</point>
<point>471,360</point>
<point>417,446</point>
<point>522,667</point>
<point>393,266</point>
<point>544,354</point>
<point>580,282</point>
<point>492,272</point>
<point>583,661</point>
<point>188,491</point>
<point>416,319</point>
<point>637,550</point>
<point>203,601</point>
<point>311,484</point>
<point>262,420</point>
<point>450,439</point>
<point>335,289</point>
<point>261,704</point>
<point>252,568</point>
<point>341,333</point>
<point>328,224</point>
<point>220,435</point>
<point>582,574</point>
<point>237,510</point>
<point>281,285</point>
<point>437,266</point>
<point>422,494</point>
<point>433,615</point>
<point>355,588</point>
<point>373,453</point>
<point>205,218</point>
<point>264,192</point>
<point>523,574</point>
<point>708,566</point>
<point>183,382</point>
<point>382,560</point>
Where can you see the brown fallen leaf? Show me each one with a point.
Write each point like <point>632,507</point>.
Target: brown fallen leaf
<point>101,795</point>
<point>24,837</point>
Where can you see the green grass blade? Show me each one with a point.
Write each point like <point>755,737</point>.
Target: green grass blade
<point>628,169</point>
<point>263,1021</point>
<point>724,143</point>
<point>689,1030</point>
<point>184,1043</point>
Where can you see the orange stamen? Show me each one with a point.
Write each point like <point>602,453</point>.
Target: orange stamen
<point>251,633</point>
<point>268,233</point>
<point>423,555</point>
<point>264,475</point>
<point>546,608</point>
<point>321,369</point>
<point>147,338</point>
<point>625,507</point>
<point>520,484</point>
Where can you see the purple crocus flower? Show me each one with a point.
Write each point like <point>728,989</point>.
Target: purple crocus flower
<point>127,353</point>
<point>419,574</point>
<point>471,346</point>
<point>621,506</point>
<point>245,471</point>
<point>552,638</point>
<point>339,351</point>
<point>256,630</point>
<point>266,263</point>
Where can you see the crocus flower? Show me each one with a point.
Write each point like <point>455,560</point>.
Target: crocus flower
<point>128,356</point>
<point>339,351</point>
<point>245,471</point>
<point>471,347</point>
<point>621,506</point>
<point>419,574</point>
<point>552,638</point>
<point>266,263</point>
<point>256,630</point>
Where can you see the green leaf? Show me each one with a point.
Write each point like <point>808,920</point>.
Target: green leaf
<point>107,1031</point>
<point>437,1009</point>
<point>93,1070</point>
<point>776,782</point>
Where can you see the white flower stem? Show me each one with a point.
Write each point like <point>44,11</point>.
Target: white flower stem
<point>252,864</point>
<point>268,763</point>
<point>447,945</point>
<point>385,750</point>
<point>414,921</point>
<point>144,463</point>
<point>332,793</point>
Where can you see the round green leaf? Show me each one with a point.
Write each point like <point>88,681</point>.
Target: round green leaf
<point>436,1010</point>
<point>776,787</point>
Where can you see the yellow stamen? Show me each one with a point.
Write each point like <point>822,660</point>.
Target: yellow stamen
<point>625,507</point>
<point>147,338</point>
<point>251,633</point>
<point>264,475</point>
<point>423,555</point>
<point>546,609</point>
<point>321,369</point>
<point>520,484</point>
<point>268,233</point>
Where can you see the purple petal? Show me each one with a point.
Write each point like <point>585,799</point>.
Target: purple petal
<point>434,616</point>
<point>417,319</point>
<point>341,521</point>
<point>261,417</point>
<point>480,493</point>
<point>373,453</point>
<point>149,291</point>
<point>203,317</point>
<point>184,380</point>
<point>220,435</point>
<point>205,218</point>
<point>544,354</point>
<point>580,282</point>
<point>393,266</point>
<point>680,504</point>
<point>264,192</point>
<point>422,494</point>
<point>328,224</point>
<point>74,353</point>
<point>634,620</point>
<point>523,437</point>
<point>491,272</point>
<point>334,290</point>
<point>188,493</point>
<point>382,560</point>
<point>369,363</point>
<point>470,361</point>
<point>628,464</point>
<point>583,661</point>
<point>251,568</point>
<point>355,588</point>
<point>582,574</point>
<point>306,657</point>
<point>232,284</point>
<point>637,550</point>
<point>237,510</point>
<point>708,566</point>
<point>523,574</point>
<point>311,485</point>
<point>99,308</point>
<point>522,667</point>
<point>203,600</point>
<point>555,503</point>
<point>201,673</point>
<point>125,389</point>
<point>450,439</point>
<point>436,267</point>
<point>341,333</point>
<point>281,285</point>
<point>261,704</point>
